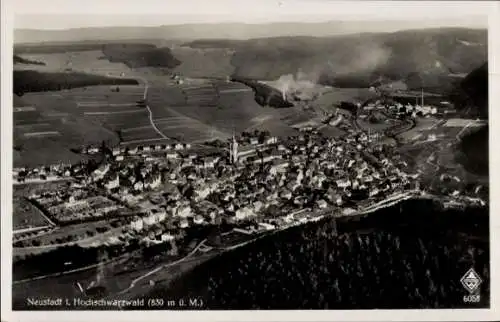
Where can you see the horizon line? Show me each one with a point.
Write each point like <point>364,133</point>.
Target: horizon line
<point>252,24</point>
<point>470,21</point>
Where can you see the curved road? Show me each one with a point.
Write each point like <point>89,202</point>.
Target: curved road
<point>144,96</point>
<point>159,268</point>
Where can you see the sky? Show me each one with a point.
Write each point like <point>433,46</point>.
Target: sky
<point>64,14</point>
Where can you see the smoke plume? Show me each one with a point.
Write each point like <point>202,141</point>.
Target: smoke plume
<point>301,86</point>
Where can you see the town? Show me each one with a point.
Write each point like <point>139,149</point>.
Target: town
<point>257,179</point>
<point>254,182</point>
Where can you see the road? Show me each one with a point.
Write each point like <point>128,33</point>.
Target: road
<point>151,120</point>
<point>428,161</point>
<point>463,129</point>
<point>81,269</point>
<point>159,268</point>
<point>31,181</point>
<point>85,242</point>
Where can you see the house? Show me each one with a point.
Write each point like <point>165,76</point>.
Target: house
<point>244,213</point>
<point>184,223</point>
<point>93,150</point>
<point>119,158</point>
<point>139,186</point>
<point>167,237</point>
<point>286,194</point>
<point>157,215</point>
<point>271,140</point>
<point>198,219</point>
<point>184,211</point>
<point>343,183</point>
<point>171,155</point>
<point>267,226</point>
<point>373,192</point>
<point>123,191</point>
<point>282,148</point>
<point>258,206</point>
<point>137,224</point>
<point>322,204</point>
<point>368,178</point>
<point>210,162</point>
<point>149,220</point>
<point>113,183</point>
<point>153,182</point>
<point>248,231</point>
<point>115,151</point>
<point>100,171</point>
<point>279,166</point>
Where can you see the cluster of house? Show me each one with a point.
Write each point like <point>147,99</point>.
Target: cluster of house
<point>41,173</point>
<point>264,181</point>
<point>76,204</point>
<point>119,152</point>
<point>308,171</point>
<point>283,219</point>
<point>406,110</point>
<point>127,178</point>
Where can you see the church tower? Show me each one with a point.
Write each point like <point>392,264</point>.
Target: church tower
<point>234,150</point>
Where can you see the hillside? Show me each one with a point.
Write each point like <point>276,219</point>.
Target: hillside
<point>420,58</point>
<point>229,30</point>
<point>430,59</point>
<point>134,55</point>
<point>32,81</point>
<point>265,95</point>
<point>475,85</point>
<point>470,93</point>
<point>21,60</point>
<point>474,151</point>
<point>471,96</point>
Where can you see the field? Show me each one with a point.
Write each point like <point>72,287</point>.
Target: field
<point>337,95</point>
<point>462,123</point>
<point>55,125</point>
<point>199,110</point>
<point>210,110</point>
<point>26,216</point>
<point>84,234</point>
<point>424,127</point>
<point>67,119</point>
<point>376,127</point>
<point>93,62</point>
<point>203,62</point>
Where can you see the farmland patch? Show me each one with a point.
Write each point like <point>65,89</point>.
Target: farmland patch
<point>84,61</point>
<point>146,133</point>
<point>24,109</point>
<point>463,122</point>
<point>26,216</point>
<point>41,134</point>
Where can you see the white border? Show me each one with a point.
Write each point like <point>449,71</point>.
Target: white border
<point>235,9</point>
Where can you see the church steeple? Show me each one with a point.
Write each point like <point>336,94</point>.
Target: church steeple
<point>234,150</point>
